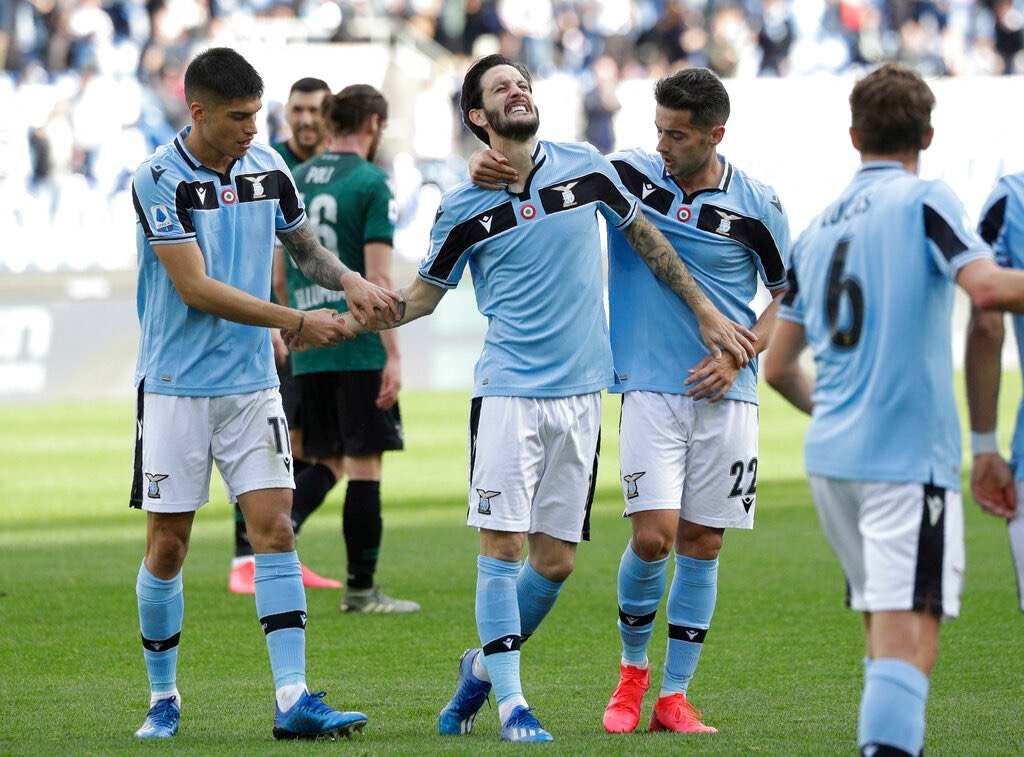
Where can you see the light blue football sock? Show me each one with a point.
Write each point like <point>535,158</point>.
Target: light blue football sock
<point>641,586</point>
<point>281,607</point>
<point>161,608</point>
<point>691,603</point>
<point>497,620</point>
<point>536,596</point>
<point>893,706</point>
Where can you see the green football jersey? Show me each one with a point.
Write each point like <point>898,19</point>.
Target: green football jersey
<point>292,161</point>
<point>349,203</point>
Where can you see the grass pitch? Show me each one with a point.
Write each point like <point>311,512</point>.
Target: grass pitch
<point>780,673</point>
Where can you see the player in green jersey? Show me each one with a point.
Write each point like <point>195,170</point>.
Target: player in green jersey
<point>349,412</point>
<point>307,139</point>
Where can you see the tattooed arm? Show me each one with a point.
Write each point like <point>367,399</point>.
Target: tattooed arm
<point>718,332</point>
<point>366,301</point>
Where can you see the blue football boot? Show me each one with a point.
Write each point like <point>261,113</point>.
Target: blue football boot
<point>311,718</point>
<point>456,719</point>
<point>523,728</point>
<point>161,720</point>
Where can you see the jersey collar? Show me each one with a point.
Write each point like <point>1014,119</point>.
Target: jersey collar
<point>193,162</point>
<point>880,165</point>
<point>723,184</point>
<point>539,156</point>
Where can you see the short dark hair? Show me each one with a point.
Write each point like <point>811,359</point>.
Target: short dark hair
<point>891,109</point>
<point>347,111</point>
<point>472,93</point>
<point>309,84</point>
<point>697,90</point>
<point>222,74</point>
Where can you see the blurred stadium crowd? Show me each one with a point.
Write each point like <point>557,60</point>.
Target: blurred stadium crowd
<point>90,87</point>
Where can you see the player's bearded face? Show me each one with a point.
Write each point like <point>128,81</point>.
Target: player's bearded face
<point>508,104</point>
<point>377,136</point>
<point>303,115</point>
<point>229,127</point>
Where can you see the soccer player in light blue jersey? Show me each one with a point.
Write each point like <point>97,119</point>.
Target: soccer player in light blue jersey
<point>997,486</point>
<point>688,431</point>
<point>871,285</point>
<point>209,206</point>
<point>534,250</point>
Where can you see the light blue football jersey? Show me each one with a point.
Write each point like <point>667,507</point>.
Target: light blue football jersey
<point>535,258</point>
<point>1002,226</point>
<point>872,281</point>
<point>728,236</point>
<point>234,218</point>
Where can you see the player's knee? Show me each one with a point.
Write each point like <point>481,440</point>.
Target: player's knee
<point>699,542</point>
<point>272,534</point>
<point>651,544</point>
<point>555,568</point>
<point>166,554</point>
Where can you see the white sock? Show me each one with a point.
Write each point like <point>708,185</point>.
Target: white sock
<point>289,694</point>
<point>505,708</point>
<point>236,561</point>
<point>156,696</point>
<point>479,669</point>
<point>642,666</point>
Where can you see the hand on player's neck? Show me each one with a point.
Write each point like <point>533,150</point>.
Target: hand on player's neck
<point>520,157</point>
<point>708,176</point>
<point>357,143</point>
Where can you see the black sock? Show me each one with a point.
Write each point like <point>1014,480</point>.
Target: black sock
<point>311,489</point>
<point>242,546</point>
<point>362,525</point>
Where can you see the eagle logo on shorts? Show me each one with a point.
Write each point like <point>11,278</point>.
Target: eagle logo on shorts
<point>153,492</point>
<point>484,508</point>
<point>632,491</point>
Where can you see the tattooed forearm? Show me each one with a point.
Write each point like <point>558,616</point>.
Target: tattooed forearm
<point>314,260</point>
<point>664,262</point>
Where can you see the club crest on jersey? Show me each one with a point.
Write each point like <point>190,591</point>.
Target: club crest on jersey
<point>257,186</point>
<point>228,196</point>
<point>484,506</point>
<point>528,212</point>
<point>161,217</point>
<point>568,198</point>
<point>725,222</point>
<point>153,492</point>
<point>684,214</point>
<point>632,490</point>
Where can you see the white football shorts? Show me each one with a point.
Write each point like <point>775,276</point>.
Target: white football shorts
<point>533,463</point>
<point>696,457</point>
<point>901,546</point>
<point>179,438</point>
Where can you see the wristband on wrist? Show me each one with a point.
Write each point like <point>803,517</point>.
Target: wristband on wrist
<point>302,321</point>
<point>984,443</point>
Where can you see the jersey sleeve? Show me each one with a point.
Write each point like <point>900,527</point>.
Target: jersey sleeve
<point>615,202</point>
<point>772,249</point>
<point>450,247</point>
<point>163,205</point>
<point>993,228</point>
<point>381,213</point>
<point>792,307</point>
<point>291,211</point>
<point>952,242</point>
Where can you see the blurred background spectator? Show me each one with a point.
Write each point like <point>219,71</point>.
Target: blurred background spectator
<point>90,87</point>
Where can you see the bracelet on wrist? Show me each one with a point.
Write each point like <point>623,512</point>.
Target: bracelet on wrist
<point>984,443</point>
